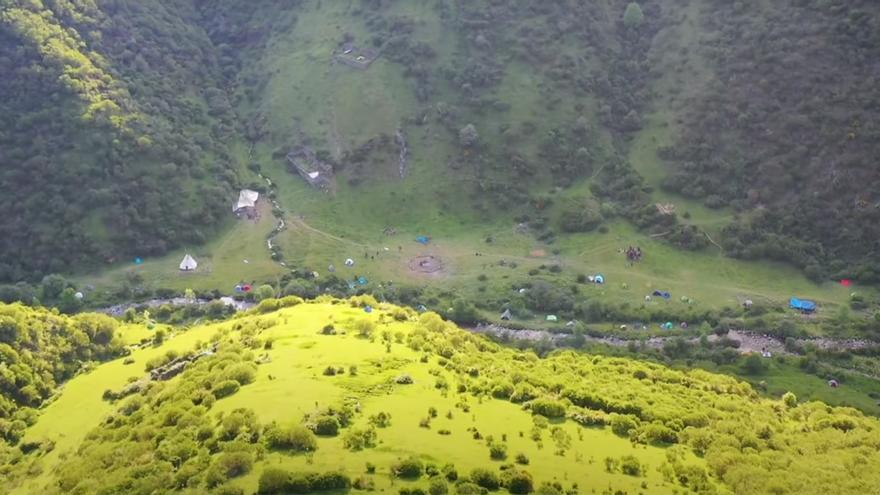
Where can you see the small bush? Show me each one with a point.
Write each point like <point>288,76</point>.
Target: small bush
<point>522,459</point>
<point>410,468</point>
<point>519,482</point>
<point>438,487</point>
<point>225,388</point>
<point>273,480</point>
<point>381,420</point>
<point>295,437</point>
<point>622,424</point>
<point>548,408</point>
<point>355,440</point>
<point>630,466</point>
<point>485,478</point>
<point>325,425</point>
<point>497,451</point>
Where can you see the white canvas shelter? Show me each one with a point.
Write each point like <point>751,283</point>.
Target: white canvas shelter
<point>188,264</point>
<point>246,199</point>
<point>314,175</point>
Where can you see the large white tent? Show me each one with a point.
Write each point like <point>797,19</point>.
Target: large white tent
<point>246,199</point>
<point>188,264</point>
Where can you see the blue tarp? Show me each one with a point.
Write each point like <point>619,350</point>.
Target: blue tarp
<point>663,294</point>
<point>423,239</point>
<point>802,305</point>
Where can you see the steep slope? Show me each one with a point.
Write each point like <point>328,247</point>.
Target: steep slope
<point>786,132</point>
<point>395,400</point>
<point>112,133</point>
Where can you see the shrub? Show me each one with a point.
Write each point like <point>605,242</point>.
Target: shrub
<point>234,464</point>
<point>497,451</point>
<point>438,486</point>
<point>548,408</point>
<point>630,466</point>
<point>364,327</point>
<point>789,399</point>
<point>519,482</point>
<point>364,483</point>
<point>331,480</point>
<point>411,467</point>
<point>485,478</point>
<point>356,440</point>
<point>325,425</point>
<point>522,459</point>
<point>466,488</point>
<point>622,424</point>
<point>329,371</point>
<point>273,480</point>
<point>225,388</point>
<point>404,379</point>
<point>449,472</point>
<point>293,437</point>
<point>502,390</point>
<point>381,420</point>
<point>243,373</point>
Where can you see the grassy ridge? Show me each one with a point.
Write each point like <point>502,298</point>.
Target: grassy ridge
<point>481,385</point>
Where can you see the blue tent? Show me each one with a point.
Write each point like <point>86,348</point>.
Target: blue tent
<point>138,261</point>
<point>423,239</point>
<point>802,305</point>
<point>368,309</point>
<point>362,280</point>
<point>663,294</point>
<point>599,279</point>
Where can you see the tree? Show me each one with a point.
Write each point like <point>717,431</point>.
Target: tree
<point>468,136</point>
<point>265,292</point>
<point>633,16</point>
<point>68,302</point>
<point>753,365</point>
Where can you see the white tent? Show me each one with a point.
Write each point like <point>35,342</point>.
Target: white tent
<point>188,264</point>
<point>246,199</point>
<point>314,175</point>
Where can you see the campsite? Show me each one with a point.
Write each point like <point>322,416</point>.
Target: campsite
<point>440,247</point>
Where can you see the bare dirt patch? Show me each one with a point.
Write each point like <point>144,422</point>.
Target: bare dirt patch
<point>428,264</point>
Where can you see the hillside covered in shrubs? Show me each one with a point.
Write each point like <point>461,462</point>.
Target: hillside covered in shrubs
<point>304,397</point>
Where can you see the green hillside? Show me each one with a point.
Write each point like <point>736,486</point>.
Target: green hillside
<point>402,401</point>
<point>576,118</point>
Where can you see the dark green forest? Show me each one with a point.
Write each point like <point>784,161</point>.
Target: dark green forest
<point>113,131</point>
<point>118,120</point>
<point>787,134</point>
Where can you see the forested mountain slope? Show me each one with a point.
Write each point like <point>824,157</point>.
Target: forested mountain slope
<point>117,118</point>
<point>112,129</point>
<point>788,132</point>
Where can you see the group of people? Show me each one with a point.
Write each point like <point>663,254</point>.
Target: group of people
<point>634,253</point>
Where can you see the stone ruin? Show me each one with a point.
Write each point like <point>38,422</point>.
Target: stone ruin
<point>317,173</point>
